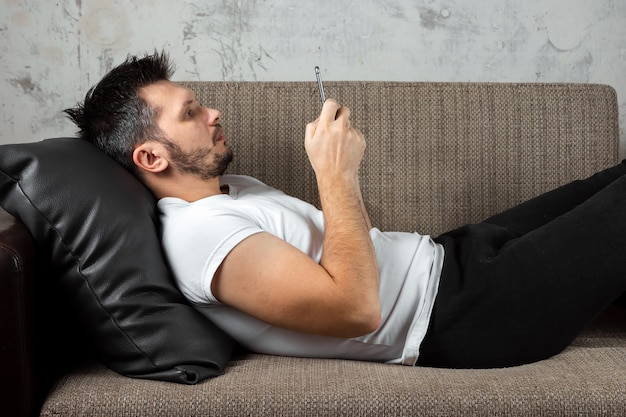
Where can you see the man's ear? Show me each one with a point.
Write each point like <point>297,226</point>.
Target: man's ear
<point>149,157</point>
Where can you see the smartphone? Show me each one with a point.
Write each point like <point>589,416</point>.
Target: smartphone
<point>319,84</point>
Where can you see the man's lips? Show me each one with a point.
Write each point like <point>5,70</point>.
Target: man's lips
<point>219,136</point>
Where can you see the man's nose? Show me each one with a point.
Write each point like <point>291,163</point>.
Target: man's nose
<point>213,116</point>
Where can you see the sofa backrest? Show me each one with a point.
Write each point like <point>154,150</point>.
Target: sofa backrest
<point>439,155</point>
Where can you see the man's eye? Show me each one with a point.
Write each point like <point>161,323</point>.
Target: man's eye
<point>189,113</point>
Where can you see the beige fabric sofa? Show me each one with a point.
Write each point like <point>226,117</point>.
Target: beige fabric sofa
<point>439,155</point>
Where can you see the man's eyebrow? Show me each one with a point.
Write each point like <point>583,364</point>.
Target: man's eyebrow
<point>186,104</point>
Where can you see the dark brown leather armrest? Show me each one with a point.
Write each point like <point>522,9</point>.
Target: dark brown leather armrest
<point>17,268</point>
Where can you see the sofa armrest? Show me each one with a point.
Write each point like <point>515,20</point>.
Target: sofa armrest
<point>17,357</point>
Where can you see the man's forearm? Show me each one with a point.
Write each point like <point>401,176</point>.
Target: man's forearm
<point>364,212</point>
<point>349,255</point>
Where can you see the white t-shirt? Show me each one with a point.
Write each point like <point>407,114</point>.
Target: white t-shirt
<point>198,236</point>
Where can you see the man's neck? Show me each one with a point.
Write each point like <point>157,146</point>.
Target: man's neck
<point>188,188</point>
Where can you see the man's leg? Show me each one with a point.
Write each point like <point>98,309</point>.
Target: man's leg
<point>508,298</point>
<point>540,210</point>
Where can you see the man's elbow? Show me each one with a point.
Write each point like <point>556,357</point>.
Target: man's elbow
<point>363,323</point>
<point>372,323</point>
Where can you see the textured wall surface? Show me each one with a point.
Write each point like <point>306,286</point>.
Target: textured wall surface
<point>51,52</point>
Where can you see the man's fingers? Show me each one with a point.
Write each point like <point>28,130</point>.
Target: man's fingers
<point>343,112</point>
<point>332,110</point>
<point>311,127</point>
<point>329,110</point>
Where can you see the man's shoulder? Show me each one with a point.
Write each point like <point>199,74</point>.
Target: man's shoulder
<point>169,205</point>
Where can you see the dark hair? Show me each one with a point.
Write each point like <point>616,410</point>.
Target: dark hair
<point>113,116</point>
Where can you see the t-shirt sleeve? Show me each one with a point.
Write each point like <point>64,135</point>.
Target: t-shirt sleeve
<point>196,244</point>
<point>241,229</point>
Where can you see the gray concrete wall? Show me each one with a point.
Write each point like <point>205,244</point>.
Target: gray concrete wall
<point>52,51</point>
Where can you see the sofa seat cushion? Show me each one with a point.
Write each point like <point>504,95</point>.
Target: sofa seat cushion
<point>588,378</point>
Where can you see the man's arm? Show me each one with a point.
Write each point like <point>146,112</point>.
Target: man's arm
<point>275,282</point>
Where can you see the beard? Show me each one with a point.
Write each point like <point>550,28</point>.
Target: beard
<point>204,163</point>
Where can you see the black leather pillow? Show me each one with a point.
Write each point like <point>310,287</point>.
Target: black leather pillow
<point>96,226</point>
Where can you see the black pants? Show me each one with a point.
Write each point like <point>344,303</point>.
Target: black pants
<point>520,286</point>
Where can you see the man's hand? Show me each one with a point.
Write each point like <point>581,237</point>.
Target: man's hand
<point>334,147</point>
